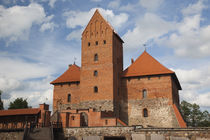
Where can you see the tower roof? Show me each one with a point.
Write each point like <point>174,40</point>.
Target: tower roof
<point>72,74</point>
<point>146,65</point>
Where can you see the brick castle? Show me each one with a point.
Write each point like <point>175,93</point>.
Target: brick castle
<point>101,93</point>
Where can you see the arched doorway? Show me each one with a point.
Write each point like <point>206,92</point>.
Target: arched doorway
<point>84,119</point>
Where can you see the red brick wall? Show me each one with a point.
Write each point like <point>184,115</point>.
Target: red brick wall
<point>61,92</point>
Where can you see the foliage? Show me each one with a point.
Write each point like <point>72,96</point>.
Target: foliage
<point>193,116</point>
<point>1,102</point>
<point>18,104</point>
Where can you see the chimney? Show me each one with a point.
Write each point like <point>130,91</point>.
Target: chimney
<point>132,60</point>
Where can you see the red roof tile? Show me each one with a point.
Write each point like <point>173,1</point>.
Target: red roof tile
<point>179,118</point>
<point>12,112</point>
<point>144,65</point>
<point>71,75</point>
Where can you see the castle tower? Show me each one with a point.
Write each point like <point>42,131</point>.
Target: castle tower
<point>102,65</point>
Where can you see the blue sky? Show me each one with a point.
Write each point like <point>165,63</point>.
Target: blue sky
<point>40,38</point>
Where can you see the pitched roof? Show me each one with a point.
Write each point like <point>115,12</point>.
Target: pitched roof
<point>144,65</point>
<point>12,112</point>
<point>71,75</point>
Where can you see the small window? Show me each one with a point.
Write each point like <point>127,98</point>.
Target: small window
<point>104,41</point>
<point>72,117</point>
<point>96,57</point>
<point>69,98</point>
<point>96,43</point>
<point>95,73</point>
<point>96,89</point>
<point>144,93</point>
<point>145,112</point>
<point>106,122</point>
<point>88,43</point>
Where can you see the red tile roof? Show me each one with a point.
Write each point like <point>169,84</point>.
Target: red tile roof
<point>144,65</point>
<point>12,112</point>
<point>71,75</point>
<point>179,118</point>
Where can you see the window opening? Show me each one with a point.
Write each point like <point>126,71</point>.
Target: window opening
<point>96,89</point>
<point>144,93</point>
<point>96,57</point>
<point>69,98</point>
<point>95,73</point>
<point>145,112</point>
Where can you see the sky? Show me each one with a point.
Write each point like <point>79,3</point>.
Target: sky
<point>40,38</point>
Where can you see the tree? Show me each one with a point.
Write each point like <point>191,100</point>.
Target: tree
<point>193,116</point>
<point>1,102</point>
<point>18,104</point>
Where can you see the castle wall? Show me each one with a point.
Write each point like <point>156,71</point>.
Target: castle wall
<point>134,133</point>
<point>60,95</point>
<point>158,101</point>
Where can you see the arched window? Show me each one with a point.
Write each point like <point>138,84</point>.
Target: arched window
<point>95,73</point>
<point>145,112</point>
<point>68,108</point>
<point>144,93</point>
<point>95,89</point>
<point>96,57</point>
<point>69,98</point>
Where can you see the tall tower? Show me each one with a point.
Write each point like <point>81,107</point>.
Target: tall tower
<point>102,65</point>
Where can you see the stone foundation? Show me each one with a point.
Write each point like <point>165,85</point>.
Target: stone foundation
<point>160,113</point>
<point>11,135</point>
<point>135,133</point>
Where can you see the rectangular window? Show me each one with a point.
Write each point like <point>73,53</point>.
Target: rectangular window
<point>88,43</point>
<point>96,43</point>
<point>104,41</point>
<point>106,122</point>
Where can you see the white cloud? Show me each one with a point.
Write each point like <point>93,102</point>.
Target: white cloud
<point>48,25</point>
<point>190,39</point>
<point>75,35</point>
<point>194,8</point>
<point>151,4</point>
<point>16,21</point>
<point>114,4</point>
<point>80,19</point>
<point>19,69</point>
<point>195,84</point>
<point>51,3</point>
<point>149,27</point>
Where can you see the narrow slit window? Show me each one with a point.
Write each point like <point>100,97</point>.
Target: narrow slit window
<point>144,93</point>
<point>96,57</point>
<point>96,89</point>
<point>145,112</point>
<point>69,98</point>
<point>88,43</point>
<point>95,73</point>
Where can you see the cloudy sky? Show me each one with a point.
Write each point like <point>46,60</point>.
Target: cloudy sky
<point>40,38</point>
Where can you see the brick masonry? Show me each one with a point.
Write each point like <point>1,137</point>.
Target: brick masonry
<point>115,92</point>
